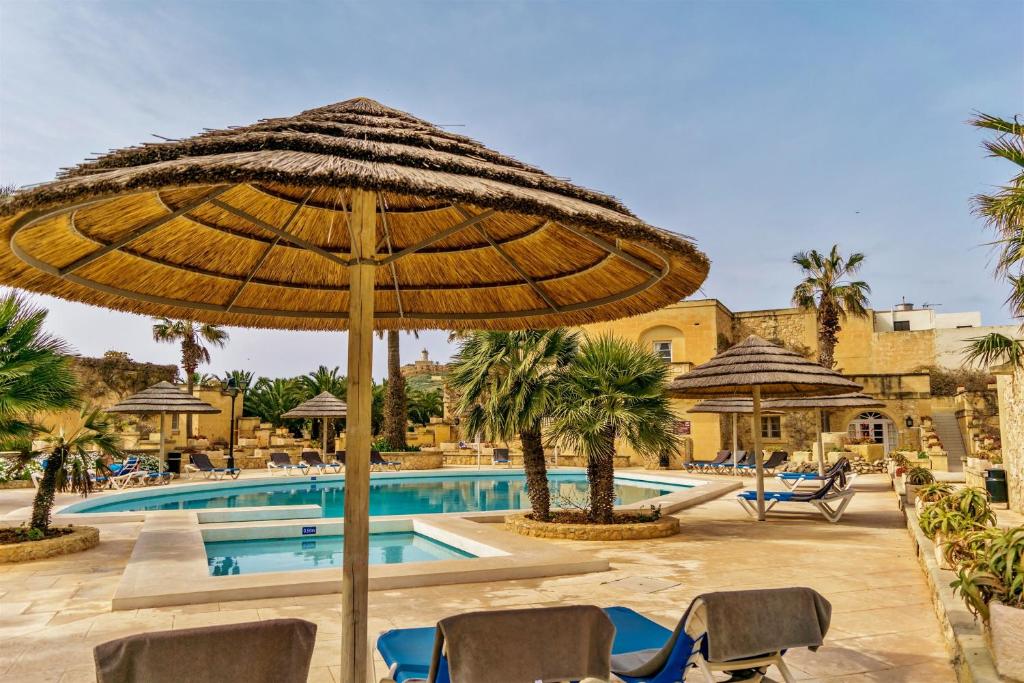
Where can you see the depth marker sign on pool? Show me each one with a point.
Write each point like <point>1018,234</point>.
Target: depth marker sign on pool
<point>309,531</point>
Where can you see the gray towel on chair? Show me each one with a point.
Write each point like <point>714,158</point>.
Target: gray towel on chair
<point>273,651</point>
<point>527,645</point>
<point>750,623</point>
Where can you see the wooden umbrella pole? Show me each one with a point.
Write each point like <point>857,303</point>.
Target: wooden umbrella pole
<point>735,441</point>
<point>758,457</point>
<point>355,585</point>
<point>821,443</point>
<point>324,427</point>
<point>163,443</point>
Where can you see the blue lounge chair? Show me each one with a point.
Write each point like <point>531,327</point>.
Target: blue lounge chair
<point>647,652</point>
<point>742,458</point>
<point>769,465</point>
<point>280,461</point>
<point>700,465</point>
<point>200,462</point>
<point>376,460</point>
<point>831,500</point>
<point>547,643</point>
<point>500,456</point>
<point>795,480</point>
<point>312,458</point>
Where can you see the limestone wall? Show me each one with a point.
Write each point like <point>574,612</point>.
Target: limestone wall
<point>1010,387</point>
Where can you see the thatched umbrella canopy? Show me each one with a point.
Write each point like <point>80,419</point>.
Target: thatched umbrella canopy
<point>755,367</point>
<point>324,405</point>
<point>161,399</point>
<point>734,407</point>
<point>820,404</point>
<point>353,215</point>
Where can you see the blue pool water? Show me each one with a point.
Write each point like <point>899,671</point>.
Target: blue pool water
<point>388,496</point>
<point>226,558</point>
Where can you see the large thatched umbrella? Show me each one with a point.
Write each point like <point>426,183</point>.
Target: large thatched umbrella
<point>324,405</point>
<point>820,404</point>
<point>734,407</point>
<point>163,399</point>
<point>756,367</point>
<point>350,216</point>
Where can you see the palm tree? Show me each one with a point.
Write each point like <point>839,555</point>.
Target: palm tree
<point>825,291</point>
<point>191,335</point>
<point>1003,211</point>
<point>269,399</point>
<point>243,379</point>
<point>424,405</point>
<point>396,404</point>
<point>35,370</point>
<point>69,457</point>
<point>506,382</point>
<point>994,349</point>
<point>613,389</point>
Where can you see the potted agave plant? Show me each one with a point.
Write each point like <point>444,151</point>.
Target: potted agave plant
<point>992,586</point>
<point>914,479</point>
<point>929,494</point>
<point>954,515</point>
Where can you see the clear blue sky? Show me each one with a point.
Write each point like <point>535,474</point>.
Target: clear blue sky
<point>759,128</point>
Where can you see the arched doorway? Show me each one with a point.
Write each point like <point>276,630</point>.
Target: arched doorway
<point>875,426</point>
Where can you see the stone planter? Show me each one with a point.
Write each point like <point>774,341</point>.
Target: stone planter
<point>1005,635</point>
<point>16,484</point>
<point>82,538</point>
<point>665,526</point>
<point>911,492</point>
<point>940,552</point>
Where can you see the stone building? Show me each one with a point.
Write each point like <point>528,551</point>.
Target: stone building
<point>889,352</point>
<point>424,367</point>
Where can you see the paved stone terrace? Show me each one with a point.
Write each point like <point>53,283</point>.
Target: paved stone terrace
<point>52,612</point>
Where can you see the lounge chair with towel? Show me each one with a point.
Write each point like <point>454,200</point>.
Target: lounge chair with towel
<point>281,462</point>
<point>571,643</point>
<point>272,651</point>
<point>795,480</point>
<point>769,465</point>
<point>500,456</point>
<point>831,500</point>
<point>120,475</point>
<point>743,632</point>
<point>377,461</point>
<point>701,465</point>
<point>200,462</point>
<point>312,458</point>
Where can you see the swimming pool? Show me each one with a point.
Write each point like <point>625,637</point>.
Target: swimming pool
<point>391,495</point>
<point>251,556</point>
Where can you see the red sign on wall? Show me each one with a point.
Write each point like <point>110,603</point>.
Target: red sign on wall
<point>682,427</point>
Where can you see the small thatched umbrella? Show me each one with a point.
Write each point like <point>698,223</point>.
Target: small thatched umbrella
<point>324,405</point>
<point>820,404</point>
<point>163,399</point>
<point>734,407</point>
<point>350,216</point>
<point>755,367</point>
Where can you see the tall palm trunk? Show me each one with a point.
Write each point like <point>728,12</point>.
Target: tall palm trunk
<point>190,363</point>
<point>43,502</point>
<point>395,408</point>
<point>601,477</point>
<point>828,330</point>
<point>536,471</point>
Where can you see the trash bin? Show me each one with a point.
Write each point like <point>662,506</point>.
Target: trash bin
<point>995,484</point>
<point>174,462</point>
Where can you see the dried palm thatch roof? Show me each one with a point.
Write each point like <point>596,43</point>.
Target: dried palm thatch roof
<point>854,400</point>
<point>729,406</point>
<point>324,404</point>
<point>249,226</point>
<point>757,362</point>
<point>162,397</point>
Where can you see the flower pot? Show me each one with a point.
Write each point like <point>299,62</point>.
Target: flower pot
<point>911,492</point>
<point>920,505</point>
<point>940,552</point>
<point>1006,633</point>
<point>900,484</point>
<point>890,467</point>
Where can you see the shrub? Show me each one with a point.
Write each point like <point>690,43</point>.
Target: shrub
<point>899,458</point>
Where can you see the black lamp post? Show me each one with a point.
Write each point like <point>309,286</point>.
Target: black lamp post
<point>232,391</point>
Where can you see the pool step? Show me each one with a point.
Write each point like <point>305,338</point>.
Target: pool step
<point>259,514</point>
